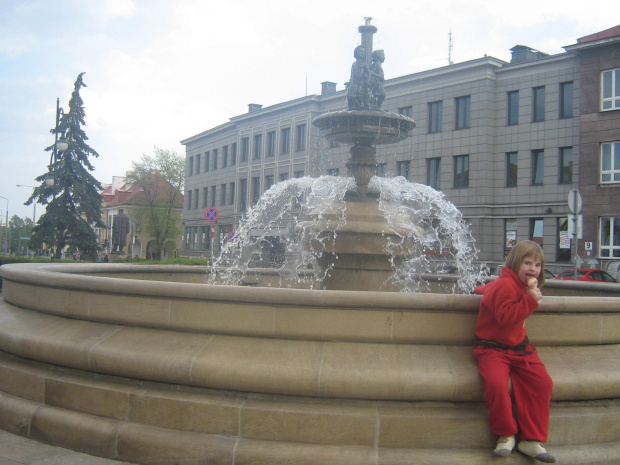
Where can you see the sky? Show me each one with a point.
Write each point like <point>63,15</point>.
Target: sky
<point>160,71</point>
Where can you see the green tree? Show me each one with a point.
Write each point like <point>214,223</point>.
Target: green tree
<point>160,178</point>
<point>73,202</point>
<point>19,228</point>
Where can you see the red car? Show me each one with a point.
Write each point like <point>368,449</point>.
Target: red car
<point>586,274</point>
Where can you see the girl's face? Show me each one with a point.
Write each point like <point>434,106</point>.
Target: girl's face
<point>530,268</point>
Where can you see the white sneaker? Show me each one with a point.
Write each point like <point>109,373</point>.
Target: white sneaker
<point>504,447</point>
<point>535,450</point>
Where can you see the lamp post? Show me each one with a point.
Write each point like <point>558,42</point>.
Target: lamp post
<point>60,145</point>
<point>6,226</point>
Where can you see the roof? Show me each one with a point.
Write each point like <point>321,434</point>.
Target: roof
<point>606,34</point>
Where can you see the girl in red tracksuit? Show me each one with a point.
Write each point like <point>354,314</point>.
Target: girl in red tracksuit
<point>503,352</point>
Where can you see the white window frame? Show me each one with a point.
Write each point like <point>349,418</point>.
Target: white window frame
<point>610,100</point>
<point>610,162</point>
<point>611,250</point>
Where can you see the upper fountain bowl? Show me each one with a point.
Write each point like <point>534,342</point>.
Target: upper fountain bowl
<point>364,127</point>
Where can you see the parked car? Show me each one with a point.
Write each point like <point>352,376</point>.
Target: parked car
<point>548,274</point>
<point>585,274</point>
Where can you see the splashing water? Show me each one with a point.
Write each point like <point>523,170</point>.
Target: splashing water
<point>296,221</point>
<point>432,232</point>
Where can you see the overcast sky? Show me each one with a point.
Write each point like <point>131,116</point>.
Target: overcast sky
<point>159,71</point>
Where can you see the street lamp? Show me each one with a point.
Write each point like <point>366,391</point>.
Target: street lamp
<point>60,145</point>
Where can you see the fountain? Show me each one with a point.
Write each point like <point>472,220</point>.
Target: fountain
<point>366,233</point>
<point>148,364</point>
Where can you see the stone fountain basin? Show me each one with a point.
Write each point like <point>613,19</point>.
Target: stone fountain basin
<point>143,363</point>
<point>374,127</point>
<point>319,343</point>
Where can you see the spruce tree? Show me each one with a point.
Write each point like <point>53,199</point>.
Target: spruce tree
<point>74,201</point>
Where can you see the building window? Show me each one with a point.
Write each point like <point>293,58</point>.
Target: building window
<point>566,99</point>
<point>271,144</point>
<point>205,197</point>
<point>233,154</point>
<point>513,108</point>
<point>268,181</point>
<point>433,172</point>
<point>538,104</point>
<point>538,167</point>
<point>207,161</point>
<point>213,192</point>
<point>537,230</point>
<point>610,237</point>
<point>243,194</point>
<point>223,194</point>
<point>610,89</point>
<point>298,174</point>
<point>232,193</point>
<point>258,147</point>
<point>463,110</point>
<point>225,156</point>
<point>610,162</point>
<point>435,110</point>
<point>190,166</point>
<point>402,169</point>
<point>563,250</point>
<point>285,147</point>
<point>245,149</point>
<point>255,190</point>
<point>300,138</point>
<point>512,166</point>
<point>333,172</point>
<point>461,171</point>
<point>405,111</point>
<point>566,165</point>
<point>283,177</point>
<point>382,169</point>
<point>189,199</point>
<point>510,234</point>
<point>214,159</point>
<point>198,164</point>
<point>196,198</point>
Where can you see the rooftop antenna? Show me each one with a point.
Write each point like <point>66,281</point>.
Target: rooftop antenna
<point>450,62</point>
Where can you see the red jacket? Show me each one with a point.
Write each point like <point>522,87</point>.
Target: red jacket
<point>504,308</point>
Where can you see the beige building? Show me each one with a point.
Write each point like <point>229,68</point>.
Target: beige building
<point>501,140</point>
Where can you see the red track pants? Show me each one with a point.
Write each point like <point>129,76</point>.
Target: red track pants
<point>531,388</point>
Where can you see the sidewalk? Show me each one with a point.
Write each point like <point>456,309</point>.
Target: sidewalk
<point>17,450</point>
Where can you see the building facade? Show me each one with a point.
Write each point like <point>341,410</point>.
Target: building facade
<point>599,180</point>
<point>502,141</point>
<point>140,243</point>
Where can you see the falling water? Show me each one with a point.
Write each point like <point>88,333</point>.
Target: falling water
<point>296,221</point>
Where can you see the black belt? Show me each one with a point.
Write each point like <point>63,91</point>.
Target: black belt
<point>498,345</point>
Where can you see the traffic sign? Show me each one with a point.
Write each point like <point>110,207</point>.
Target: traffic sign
<point>232,236</point>
<point>211,214</point>
<point>574,201</point>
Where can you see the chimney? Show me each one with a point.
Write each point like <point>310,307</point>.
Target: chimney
<point>252,107</point>
<point>328,88</point>
<point>524,54</point>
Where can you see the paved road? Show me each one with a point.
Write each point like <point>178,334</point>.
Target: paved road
<point>16,450</point>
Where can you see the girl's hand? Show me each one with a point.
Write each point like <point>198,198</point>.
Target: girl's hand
<point>535,292</point>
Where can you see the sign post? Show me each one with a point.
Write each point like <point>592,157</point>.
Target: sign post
<point>574,205</point>
<point>211,215</point>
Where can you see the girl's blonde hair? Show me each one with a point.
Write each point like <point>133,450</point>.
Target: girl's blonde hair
<point>525,249</point>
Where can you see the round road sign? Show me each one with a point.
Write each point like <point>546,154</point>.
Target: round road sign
<point>211,214</point>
